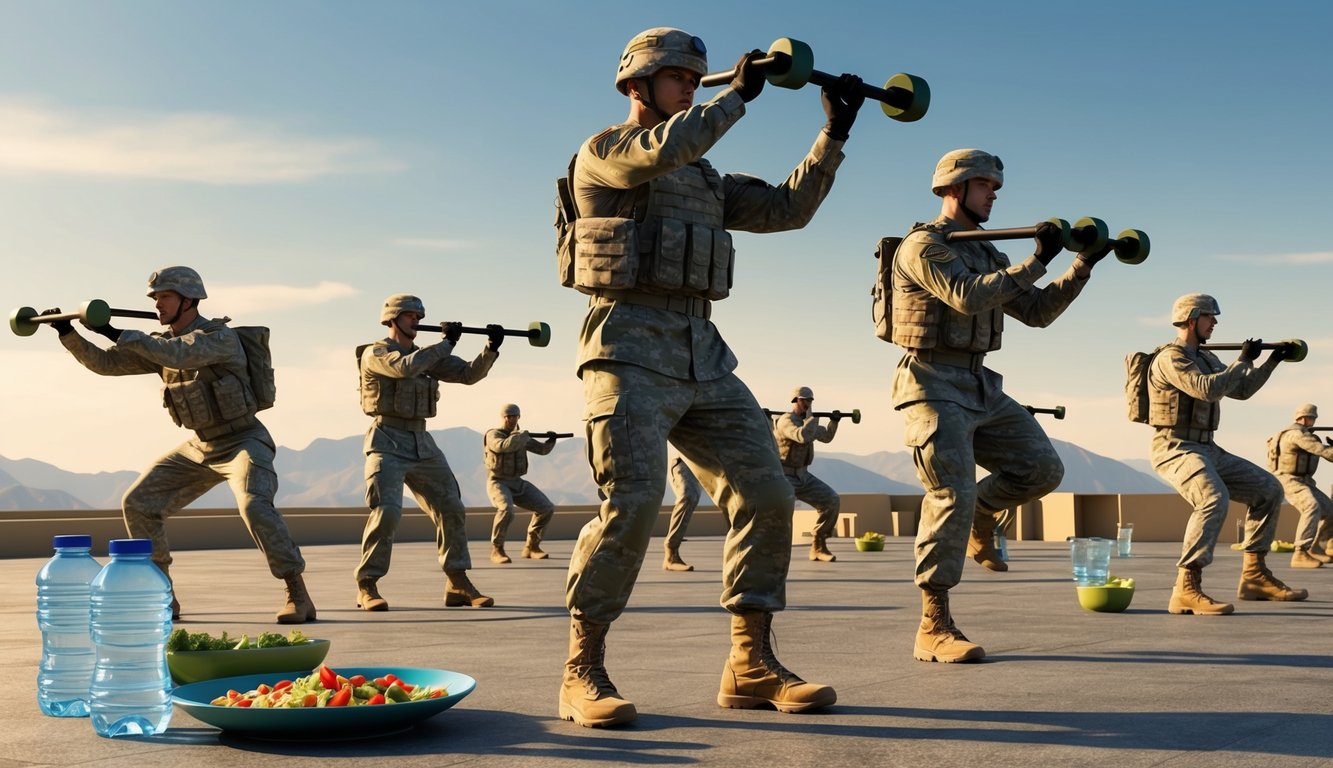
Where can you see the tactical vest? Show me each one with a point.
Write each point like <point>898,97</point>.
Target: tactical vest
<point>922,321</point>
<point>671,243</point>
<point>410,398</point>
<point>1292,460</point>
<point>506,465</point>
<point>795,455</point>
<point>210,396</point>
<point>1169,407</point>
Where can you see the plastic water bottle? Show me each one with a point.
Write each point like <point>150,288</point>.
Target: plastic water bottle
<point>131,619</point>
<point>63,586</point>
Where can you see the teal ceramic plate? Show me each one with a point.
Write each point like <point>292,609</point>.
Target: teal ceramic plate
<point>194,666</point>
<point>337,722</point>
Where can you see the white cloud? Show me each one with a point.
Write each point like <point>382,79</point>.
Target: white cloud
<point>1315,257</point>
<point>195,147</point>
<point>239,299</point>
<point>432,244</point>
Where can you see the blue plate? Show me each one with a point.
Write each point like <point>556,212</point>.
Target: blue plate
<point>339,722</point>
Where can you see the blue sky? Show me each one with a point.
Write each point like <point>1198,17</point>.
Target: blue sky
<point>311,158</point>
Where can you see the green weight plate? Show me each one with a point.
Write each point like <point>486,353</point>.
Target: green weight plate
<point>539,334</point>
<point>1297,349</point>
<point>856,415</point>
<point>1132,246</point>
<point>95,312</point>
<point>920,91</point>
<point>1065,242</point>
<point>1089,234</point>
<point>802,63</point>
<point>20,321</point>
<point>1059,412</point>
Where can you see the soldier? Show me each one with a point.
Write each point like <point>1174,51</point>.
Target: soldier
<point>949,303</point>
<point>507,452</point>
<point>206,388</point>
<point>651,247</point>
<point>796,438</point>
<point>1297,452</point>
<point>400,386</point>
<point>1186,384</point>
<point>687,489</point>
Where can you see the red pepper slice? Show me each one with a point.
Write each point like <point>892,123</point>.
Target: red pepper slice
<point>357,680</point>
<point>383,682</point>
<point>377,699</point>
<point>263,688</point>
<point>282,684</point>
<point>328,678</point>
<point>232,693</point>
<point>242,703</point>
<point>435,694</point>
<point>341,698</point>
<point>310,700</point>
<point>405,686</point>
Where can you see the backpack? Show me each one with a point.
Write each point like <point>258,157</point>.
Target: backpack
<point>258,363</point>
<point>1137,366</point>
<point>881,293</point>
<point>566,213</point>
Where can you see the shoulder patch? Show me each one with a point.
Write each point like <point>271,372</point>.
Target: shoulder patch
<point>937,252</point>
<point>379,350</point>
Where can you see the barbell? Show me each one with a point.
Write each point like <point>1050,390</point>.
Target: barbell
<point>1086,235</point>
<point>538,333</point>
<point>854,414</point>
<point>24,321</point>
<point>551,435</point>
<point>1297,349</point>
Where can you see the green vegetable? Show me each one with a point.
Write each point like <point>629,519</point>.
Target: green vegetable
<point>181,640</point>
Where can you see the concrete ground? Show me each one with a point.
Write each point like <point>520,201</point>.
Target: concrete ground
<point>1060,686</point>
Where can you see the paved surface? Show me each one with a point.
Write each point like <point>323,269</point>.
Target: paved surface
<point>1060,686</point>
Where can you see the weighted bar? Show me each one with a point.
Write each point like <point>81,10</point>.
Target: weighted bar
<point>24,321</point>
<point>1058,411</point>
<point>551,435</point>
<point>1297,349</point>
<point>854,414</point>
<point>538,333</point>
<point>1072,237</point>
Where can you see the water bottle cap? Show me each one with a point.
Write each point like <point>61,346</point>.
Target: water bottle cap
<point>72,541</point>
<point>130,547</point>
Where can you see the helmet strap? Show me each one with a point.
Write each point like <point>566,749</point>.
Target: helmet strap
<point>650,100</point>
<point>971,214</point>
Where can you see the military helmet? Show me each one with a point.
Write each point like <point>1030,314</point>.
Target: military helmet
<point>1191,305</point>
<point>399,303</point>
<point>1307,411</point>
<point>182,280</point>
<point>960,165</point>
<point>802,393</point>
<point>509,409</point>
<point>653,49</point>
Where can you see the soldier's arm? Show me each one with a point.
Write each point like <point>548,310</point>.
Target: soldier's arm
<point>196,349</point>
<point>926,260</point>
<point>828,431</point>
<point>459,371</point>
<point>1254,378</point>
<point>116,361</point>
<point>1310,443</point>
<point>394,363</point>
<point>787,428</point>
<point>1039,307</point>
<point>499,443</point>
<point>1176,368</point>
<point>540,447</point>
<point>754,205</point>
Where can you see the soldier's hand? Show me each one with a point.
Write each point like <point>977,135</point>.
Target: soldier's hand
<point>495,336</point>
<point>453,332</point>
<point>835,416</point>
<point>749,79</point>
<point>1250,349</point>
<point>841,102</point>
<point>1329,441</point>
<point>1092,257</point>
<point>1280,353</point>
<point>1050,241</point>
<point>109,331</point>
<point>62,327</point>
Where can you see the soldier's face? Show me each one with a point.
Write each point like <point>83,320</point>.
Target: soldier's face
<point>673,89</point>
<point>1204,325</point>
<point>803,405</point>
<point>980,196</point>
<point>168,306</point>
<point>407,323</point>
<point>511,422</point>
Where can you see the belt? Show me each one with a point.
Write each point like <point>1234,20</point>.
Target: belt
<point>227,428</point>
<point>1190,435</point>
<point>409,425</point>
<point>686,305</point>
<point>970,360</point>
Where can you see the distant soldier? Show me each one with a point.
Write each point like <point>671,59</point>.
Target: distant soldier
<point>507,450</point>
<point>1295,453</point>
<point>207,388</point>
<point>400,386</point>
<point>687,489</point>
<point>796,433</point>
<point>1186,384</point>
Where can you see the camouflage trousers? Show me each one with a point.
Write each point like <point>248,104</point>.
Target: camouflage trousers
<point>719,427</point>
<point>436,490</point>
<point>244,460</point>
<point>1209,478</point>
<point>509,494</point>
<point>948,443</point>
<point>819,495</point>
<point>1312,504</point>
<point>680,519</point>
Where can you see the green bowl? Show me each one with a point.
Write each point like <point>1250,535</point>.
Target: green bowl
<point>1105,599</point>
<point>863,545</point>
<point>194,666</point>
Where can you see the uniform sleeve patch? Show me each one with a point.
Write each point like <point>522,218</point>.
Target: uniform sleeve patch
<point>937,252</point>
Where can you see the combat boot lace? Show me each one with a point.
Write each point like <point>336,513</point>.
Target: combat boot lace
<point>981,543</point>
<point>299,608</point>
<point>753,676</point>
<point>938,639</point>
<point>498,555</point>
<point>532,549</point>
<point>587,695</point>
<point>458,591</point>
<point>1188,596</point>
<point>819,550</point>
<point>672,562</point>
<point>1259,583</point>
<point>1303,558</point>
<point>368,596</point>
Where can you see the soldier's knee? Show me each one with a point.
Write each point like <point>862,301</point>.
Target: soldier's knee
<point>1050,472</point>
<point>776,494</point>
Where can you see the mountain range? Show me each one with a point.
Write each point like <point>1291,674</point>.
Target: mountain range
<point>329,473</point>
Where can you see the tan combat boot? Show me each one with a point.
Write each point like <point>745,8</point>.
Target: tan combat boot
<point>1303,558</point>
<point>938,639</point>
<point>532,549</point>
<point>498,555</point>
<point>1188,596</point>
<point>981,544</point>
<point>672,562</point>
<point>458,590</point>
<point>1259,583</point>
<point>299,608</point>
<point>175,604</point>
<point>368,596</point>
<point>819,550</point>
<point>753,676</point>
<point>587,695</point>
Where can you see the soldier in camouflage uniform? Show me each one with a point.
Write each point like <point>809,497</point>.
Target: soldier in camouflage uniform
<point>796,433</point>
<point>507,450</point>
<point>400,386</point>
<point>206,388</point>
<point>949,303</point>
<point>1186,384</point>
<point>687,489</point>
<point>1298,453</point>
<point>652,248</point>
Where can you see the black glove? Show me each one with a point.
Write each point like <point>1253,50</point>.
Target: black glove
<point>841,102</point>
<point>1250,349</point>
<point>63,327</point>
<point>1280,354</point>
<point>1050,241</point>
<point>1329,441</point>
<point>749,79</point>
<point>109,331</point>
<point>1092,257</point>
<point>495,336</point>
<point>453,332</point>
<point>835,416</point>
